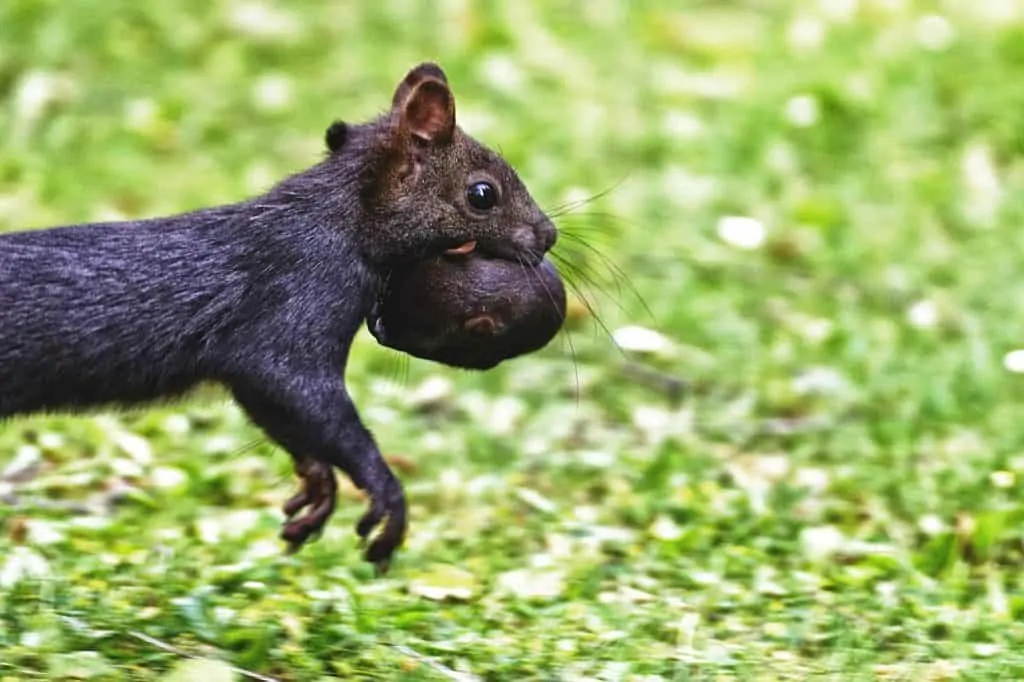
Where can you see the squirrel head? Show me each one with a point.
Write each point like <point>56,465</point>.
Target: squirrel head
<point>422,180</point>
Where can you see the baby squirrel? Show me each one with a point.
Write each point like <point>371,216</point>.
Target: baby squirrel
<point>265,296</point>
<point>470,311</point>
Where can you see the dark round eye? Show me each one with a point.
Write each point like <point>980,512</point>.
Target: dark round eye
<point>482,196</point>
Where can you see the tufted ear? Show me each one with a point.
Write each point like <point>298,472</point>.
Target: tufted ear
<point>425,105</point>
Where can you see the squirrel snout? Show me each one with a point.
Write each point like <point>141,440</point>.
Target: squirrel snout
<point>546,234</point>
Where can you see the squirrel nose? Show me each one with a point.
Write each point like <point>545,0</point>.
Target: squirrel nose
<point>546,234</point>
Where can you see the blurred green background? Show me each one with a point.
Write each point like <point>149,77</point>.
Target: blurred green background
<point>803,460</point>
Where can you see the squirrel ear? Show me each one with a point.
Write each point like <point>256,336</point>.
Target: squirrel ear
<point>335,136</point>
<point>414,78</point>
<point>425,104</point>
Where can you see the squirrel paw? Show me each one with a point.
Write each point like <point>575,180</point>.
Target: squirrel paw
<point>387,506</point>
<point>317,497</point>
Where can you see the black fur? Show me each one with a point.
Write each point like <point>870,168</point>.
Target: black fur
<point>262,296</point>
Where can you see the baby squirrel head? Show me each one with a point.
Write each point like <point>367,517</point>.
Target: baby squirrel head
<point>427,187</point>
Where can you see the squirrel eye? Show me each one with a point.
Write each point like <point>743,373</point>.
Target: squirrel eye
<point>482,196</point>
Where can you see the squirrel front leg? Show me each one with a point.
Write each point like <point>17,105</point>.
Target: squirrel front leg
<point>309,414</point>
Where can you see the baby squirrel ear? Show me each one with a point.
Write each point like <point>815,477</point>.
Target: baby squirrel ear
<point>425,104</point>
<point>336,135</point>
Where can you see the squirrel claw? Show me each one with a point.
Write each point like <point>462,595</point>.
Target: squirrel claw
<point>387,508</point>
<point>317,497</point>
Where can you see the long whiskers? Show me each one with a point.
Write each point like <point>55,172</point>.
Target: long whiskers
<point>570,206</point>
<point>617,274</point>
<point>532,270</point>
<point>575,287</point>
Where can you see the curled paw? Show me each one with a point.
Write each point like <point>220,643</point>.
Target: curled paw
<point>315,501</point>
<point>387,507</point>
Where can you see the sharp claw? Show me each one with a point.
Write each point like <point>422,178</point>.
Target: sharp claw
<point>388,508</point>
<point>295,503</point>
<point>317,497</point>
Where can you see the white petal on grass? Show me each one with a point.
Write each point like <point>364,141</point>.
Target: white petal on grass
<point>814,479</point>
<point>820,381</point>
<point>666,529</point>
<point>1014,361</point>
<point>125,468</point>
<point>682,125</point>
<point>586,513</point>
<point>221,444</point>
<point>641,340</point>
<point>574,196</point>
<point>50,440</point>
<point>534,499</point>
<point>32,639</point>
<point>433,391</point>
<point>996,11</point>
<point>91,522</point>
<point>21,563</point>
<point>653,421</point>
<point>263,549</point>
<point>803,111</point>
<point>931,524</point>
<point>272,92</point>
<point>177,424</point>
<point>533,584</point>
<point>981,180</point>
<point>260,20</point>
<point>211,529</point>
<point>223,615</point>
<point>806,33</point>
<point>998,601</point>
<point>987,649</point>
<point>135,446</point>
<point>816,329</point>
<point>626,595</point>
<point>821,542</point>
<point>502,71</point>
<point>26,457</point>
<point>924,314</point>
<point>742,232</point>
<point>37,90</point>
<point>205,669</point>
<point>140,114</point>
<point>1002,479</point>
<point>505,414</point>
<point>891,6</point>
<point>687,188</point>
<point>935,32</point>
<point>477,122</point>
<point>839,10</point>
<point>44,532</point>
<point>168,477</point>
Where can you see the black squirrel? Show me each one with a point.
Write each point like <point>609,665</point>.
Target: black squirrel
<point>265,296</point>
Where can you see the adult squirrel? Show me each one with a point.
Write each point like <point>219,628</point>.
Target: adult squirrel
<point>264,296</point>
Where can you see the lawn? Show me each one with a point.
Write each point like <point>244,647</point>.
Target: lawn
<point>784,440</point>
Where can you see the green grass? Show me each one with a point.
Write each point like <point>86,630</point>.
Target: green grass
<point>838,490</point>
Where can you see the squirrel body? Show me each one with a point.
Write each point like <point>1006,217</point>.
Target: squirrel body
<point>264,296</point>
